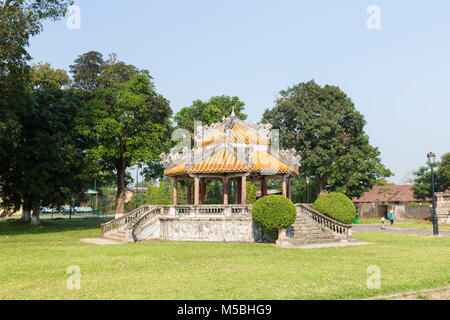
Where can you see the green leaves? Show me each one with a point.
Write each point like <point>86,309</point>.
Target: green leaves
<point>323,125</point>
<point>337,206</point>
<point>126,120</point>
<point>422,183</point>
<point>209,112</point>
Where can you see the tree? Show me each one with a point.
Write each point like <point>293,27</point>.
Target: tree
<point>42,75</point>
<point>322,124</point>
<point>381,182</point>
<point>422,182</point>
<point>86,71</point>
<point>49,164</point>
<point>19,21</point>
<point>127,122</point>
<point>209,112</point>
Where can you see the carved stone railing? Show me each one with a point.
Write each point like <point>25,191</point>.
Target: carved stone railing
<point>208,211</point>
<point>340,229</point>
<point>126,220</point>
<point>144,221</point>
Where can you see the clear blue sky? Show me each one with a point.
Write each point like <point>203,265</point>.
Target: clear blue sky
<point>398,76</point>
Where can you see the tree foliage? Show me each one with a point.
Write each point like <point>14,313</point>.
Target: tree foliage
<point>42,75</point>
<point>274,213</point>
<point>19,21</point>
<point>337,206</point>
<point>127,121</point>
<point>322,124</point>
<point>49,163</point>
<point>209,112</point>
<point>422,182</point>
<point>86,71</point>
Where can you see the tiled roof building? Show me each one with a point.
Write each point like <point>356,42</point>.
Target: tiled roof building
<point>233,151</point>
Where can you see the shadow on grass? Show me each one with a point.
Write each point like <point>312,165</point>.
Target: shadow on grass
<point>17,227</point>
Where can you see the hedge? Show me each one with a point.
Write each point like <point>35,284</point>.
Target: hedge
<point>337,206</point>
<point>274,213</point>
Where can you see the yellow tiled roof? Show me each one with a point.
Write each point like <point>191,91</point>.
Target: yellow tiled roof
<point>224,161</point>
<point>238,134</point>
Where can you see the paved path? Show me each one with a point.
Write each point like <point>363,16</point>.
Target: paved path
<point>100,241</point>
<point>377,228</point>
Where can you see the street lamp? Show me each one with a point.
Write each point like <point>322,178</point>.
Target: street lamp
<point>432,158</point>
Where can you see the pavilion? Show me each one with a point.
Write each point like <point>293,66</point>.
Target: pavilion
<point>231,151</point>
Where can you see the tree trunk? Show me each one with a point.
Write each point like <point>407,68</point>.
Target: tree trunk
<point>120,198</point>
<point>26,211</point>
<point>320,180</point>
<point>35,220</point>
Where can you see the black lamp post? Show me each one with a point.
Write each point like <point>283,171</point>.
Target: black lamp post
<point>432,158</point>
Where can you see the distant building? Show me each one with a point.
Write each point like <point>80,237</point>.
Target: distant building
<point>376,203</point>
<point>390,194</point>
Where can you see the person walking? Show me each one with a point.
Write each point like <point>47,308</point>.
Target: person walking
<point>383,223</point>
<point>391,217</point>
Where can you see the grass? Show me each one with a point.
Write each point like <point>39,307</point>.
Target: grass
<point>34,261</point>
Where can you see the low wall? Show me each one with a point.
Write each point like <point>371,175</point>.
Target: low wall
<point>370,210</point>
<point>216,229</point>
<point>401,211</point>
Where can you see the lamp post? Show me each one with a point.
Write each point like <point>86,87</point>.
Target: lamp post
<point>137,186</point>
<point>308,180</point>
<point>432,158</point>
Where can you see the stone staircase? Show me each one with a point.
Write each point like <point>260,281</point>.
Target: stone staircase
<point>311,227</point>
<point>304,232</point>
<point>125,229</point>
<point>119,236</point>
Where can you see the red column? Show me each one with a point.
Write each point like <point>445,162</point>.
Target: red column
<point>264,187</point>
<point>225,191</point>
<point>244,190</point>
<point>239,191</point>
<point>189,192</point>
<point>175,191</point>
<point>284,186</point>
<point>202,191</point>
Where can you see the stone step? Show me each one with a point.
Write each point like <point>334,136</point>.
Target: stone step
<point>115,237</point>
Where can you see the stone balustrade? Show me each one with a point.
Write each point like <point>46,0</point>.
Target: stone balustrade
<point>340,229</point>
<point>124,221</point>
<point>208,211</point>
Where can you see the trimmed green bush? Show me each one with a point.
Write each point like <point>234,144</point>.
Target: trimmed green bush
<point>274,213</point>
<point>337,206</point>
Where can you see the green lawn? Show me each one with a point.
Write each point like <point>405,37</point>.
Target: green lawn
<point>34,261</point>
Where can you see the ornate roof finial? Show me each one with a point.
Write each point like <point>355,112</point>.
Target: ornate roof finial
<point>232,112</point>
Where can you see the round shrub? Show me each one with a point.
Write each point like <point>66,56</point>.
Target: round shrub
<point>274,213</point>
<point>337,206</point>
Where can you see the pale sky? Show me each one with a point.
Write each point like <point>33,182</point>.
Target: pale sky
<point>397,76</point>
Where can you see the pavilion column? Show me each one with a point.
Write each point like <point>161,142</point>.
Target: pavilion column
<point>289,180</point>
<point>284,186</point>
<point>175,191</point>
<point>202,191</point>
<point>189,192</point>
<point>225,191</point>
<point>196,191</point>
<point>244,190</point>
<point>239,191</point>
<point>264,187</point>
